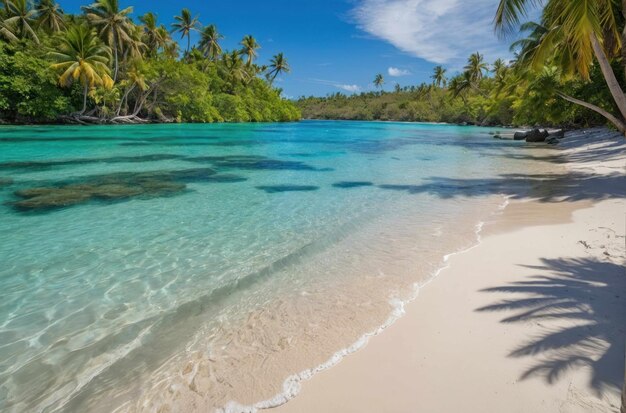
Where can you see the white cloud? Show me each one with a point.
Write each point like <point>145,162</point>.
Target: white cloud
<point>395,72</point>
<point>349,88</point>
<point>440,31</point>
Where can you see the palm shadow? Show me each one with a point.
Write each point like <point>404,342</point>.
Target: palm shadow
<point>549,187</point>
<point>580,307</point>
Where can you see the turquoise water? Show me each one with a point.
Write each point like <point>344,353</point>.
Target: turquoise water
<point>136,257</point>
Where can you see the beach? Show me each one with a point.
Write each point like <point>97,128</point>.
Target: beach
<point>307,265</point>
<point>529,320</point>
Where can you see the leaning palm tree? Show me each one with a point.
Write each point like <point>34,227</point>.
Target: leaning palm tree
<point>135,80</point>
<point>21,17</point>
<point>50,16</point>
<point>577,34</point>
<point>475,67</point>
<point>249,48</point>
<point>209,42</point>
<point>278,65</point>
<point>379,81</point>
<point>459,85</point>
<point>82,57</point>
<point>439,76</point>
<point>184,25</point>
<point>113,24</point>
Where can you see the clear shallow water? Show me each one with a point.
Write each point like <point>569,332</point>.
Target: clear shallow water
<point>237,255</point>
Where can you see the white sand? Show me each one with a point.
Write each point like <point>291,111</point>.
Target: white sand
<point>531,320</point>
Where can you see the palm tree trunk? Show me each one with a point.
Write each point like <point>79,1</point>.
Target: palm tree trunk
<point>273,78</point>
<point>188,43</point>
<point>619,124</point>
<point>609,76</point>
<point>116,66</point>
<point>124,98</point>
<point>85,90</point>
<point>624,68</point>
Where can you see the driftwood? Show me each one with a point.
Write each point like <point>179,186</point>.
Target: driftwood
<point>91,120</point>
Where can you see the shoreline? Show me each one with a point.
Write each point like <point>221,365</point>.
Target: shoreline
<point>293,384</point>
<point>352,386</point>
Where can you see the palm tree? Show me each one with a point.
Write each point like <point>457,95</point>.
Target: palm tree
<point>250,46</point>
<point>528,45</point>
<point>577,33</point>
<point>475,67</point>
<point>81,56</point>
<point>209,42</point>
<point>135,79</point>
<point>439,76</point>
<point>169,46</point>
<point>379,81</point>
<point>135,46</point>
<point>20,16</point>
<point>498,66</point>
<point>234,67</point>
<point>113,24</point>
<point>49,16</point>
<point>184,25</point>
<point>7,31</point>
<point>152,33</point>
<point>460,84</point>
<point>278,65</point>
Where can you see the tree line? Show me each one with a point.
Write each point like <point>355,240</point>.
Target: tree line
<point>569,69</point>
<point>103,66</point>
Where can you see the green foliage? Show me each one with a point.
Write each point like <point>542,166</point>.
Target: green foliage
<point>28,87</point>
<point>510,95</point>
<point>189,94</point>
<point>103,66</point>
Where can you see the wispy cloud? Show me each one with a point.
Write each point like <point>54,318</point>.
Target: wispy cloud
<point>343,86</point>
<point>395,72</point>
<point>440,31</point>
<point>349,88</point>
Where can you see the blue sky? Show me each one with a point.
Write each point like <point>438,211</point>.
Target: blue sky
<point>340,45</point>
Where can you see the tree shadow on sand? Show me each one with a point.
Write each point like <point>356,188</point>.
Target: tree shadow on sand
<point>579,305</point>
<point>575,186</point>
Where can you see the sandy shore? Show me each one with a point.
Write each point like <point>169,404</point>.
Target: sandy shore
<point>533,319</point>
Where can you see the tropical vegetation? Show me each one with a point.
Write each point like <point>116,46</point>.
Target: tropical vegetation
<point>105,65</point>
<point>569,70</point>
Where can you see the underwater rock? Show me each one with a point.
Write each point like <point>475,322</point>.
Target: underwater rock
<point>115,186</point>
<point>272,189</point>
<point>5,181</point>
<point>44,198</point>
<point>65,162</point>
<point>352,184</point>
